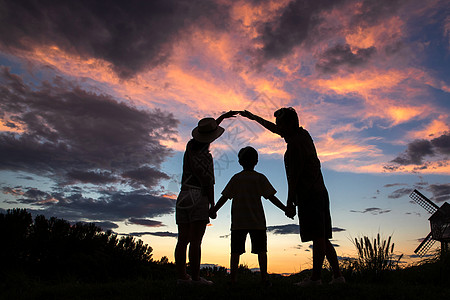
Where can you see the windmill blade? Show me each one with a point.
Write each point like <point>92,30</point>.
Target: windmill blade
<point>423,201</point>
<point>426,244</point>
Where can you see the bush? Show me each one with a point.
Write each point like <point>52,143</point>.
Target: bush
<point>54,249</point>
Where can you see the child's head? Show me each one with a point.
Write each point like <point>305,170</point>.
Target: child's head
<point>248,157</point>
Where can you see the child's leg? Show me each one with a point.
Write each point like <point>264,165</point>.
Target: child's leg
<point>259,246</point>
<point>262,259</point>
<point>234,265</point>
<point>237,248</point>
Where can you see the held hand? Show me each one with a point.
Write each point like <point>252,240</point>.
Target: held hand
<point>290,211</point>
<point>212,213</point>
<point>229,114</point>
<point>247,114</point>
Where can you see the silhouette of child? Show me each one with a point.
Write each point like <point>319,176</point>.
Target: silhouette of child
<point>247,214</point>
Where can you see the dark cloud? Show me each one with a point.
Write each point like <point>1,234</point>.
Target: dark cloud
<point>413,213</point>
<point>400,193</point>
<point>371,12</point>
<point>341,55</point>
<point>160,234</point>
<point>442,143</point>
<point>10,125</point>
<point>294,26</point>
<point>292,229</point>
<point>145,222</point>
<point>132,35</point>
<point>146,176</point>
<point>415,153</point>
<point>112,207</point>
<point>73,135</point>
<point>91,177</point>
<point>393,184</point>
<point>417,150</point>
<point>441,192</point>
<point>302,22</point>
<point>337,229</point>
<point>372,210</point>
<point>284,229</point>
<point>105,225</point>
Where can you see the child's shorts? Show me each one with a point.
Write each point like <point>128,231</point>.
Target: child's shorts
<point>258,238</point>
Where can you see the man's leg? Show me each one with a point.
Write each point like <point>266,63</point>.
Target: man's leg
<point>262,259</point>
<point>331,255</point>
<point>234,265</point>
<point>319,248</point>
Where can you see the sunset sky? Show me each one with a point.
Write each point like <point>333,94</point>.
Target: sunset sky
<point>98,100</point>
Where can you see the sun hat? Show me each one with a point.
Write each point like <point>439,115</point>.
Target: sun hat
<point>207,130</point>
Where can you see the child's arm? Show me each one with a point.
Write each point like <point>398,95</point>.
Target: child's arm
<point>213,210</point>
<point>278,203</point>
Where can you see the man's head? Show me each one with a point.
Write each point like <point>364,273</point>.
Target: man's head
<point>286,120</point>
<point>248,157</point>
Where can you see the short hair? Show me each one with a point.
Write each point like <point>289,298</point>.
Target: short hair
<point>287,114</point>
<point>248,157</point>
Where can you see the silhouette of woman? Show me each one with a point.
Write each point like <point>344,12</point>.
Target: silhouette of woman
<point>196,197</point>
<point>306,190</point>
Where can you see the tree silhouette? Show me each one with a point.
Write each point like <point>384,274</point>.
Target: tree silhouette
<point>53,249</point>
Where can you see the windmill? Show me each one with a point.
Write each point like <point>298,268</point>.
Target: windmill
<point>439,223</point>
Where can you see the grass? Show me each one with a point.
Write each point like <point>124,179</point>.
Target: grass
<point>425,281</point>
<point>51,259</point>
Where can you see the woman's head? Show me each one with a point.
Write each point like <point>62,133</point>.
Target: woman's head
<point>207,131</point>
<point>286,120</point>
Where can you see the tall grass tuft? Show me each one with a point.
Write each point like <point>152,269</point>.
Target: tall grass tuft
<point>375,257</point>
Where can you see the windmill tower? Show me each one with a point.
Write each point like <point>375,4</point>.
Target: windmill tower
<point>439,223</point>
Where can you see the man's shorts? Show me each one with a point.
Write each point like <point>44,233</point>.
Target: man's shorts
<point>191,206</point>
<point>258,238</point>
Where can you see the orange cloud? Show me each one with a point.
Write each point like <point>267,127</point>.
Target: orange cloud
<point>378,35</point>
<point>346,151</point>
<point>170,196</point>
<point>5,128</point>
<point>363,82</point>
<point>401,114</point>
<point>249,14</point>
<point>73,65</point>
<point>433,129</point>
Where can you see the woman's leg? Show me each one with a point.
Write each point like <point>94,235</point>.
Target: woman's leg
<point>197,230</point>
<point>180,250</point>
